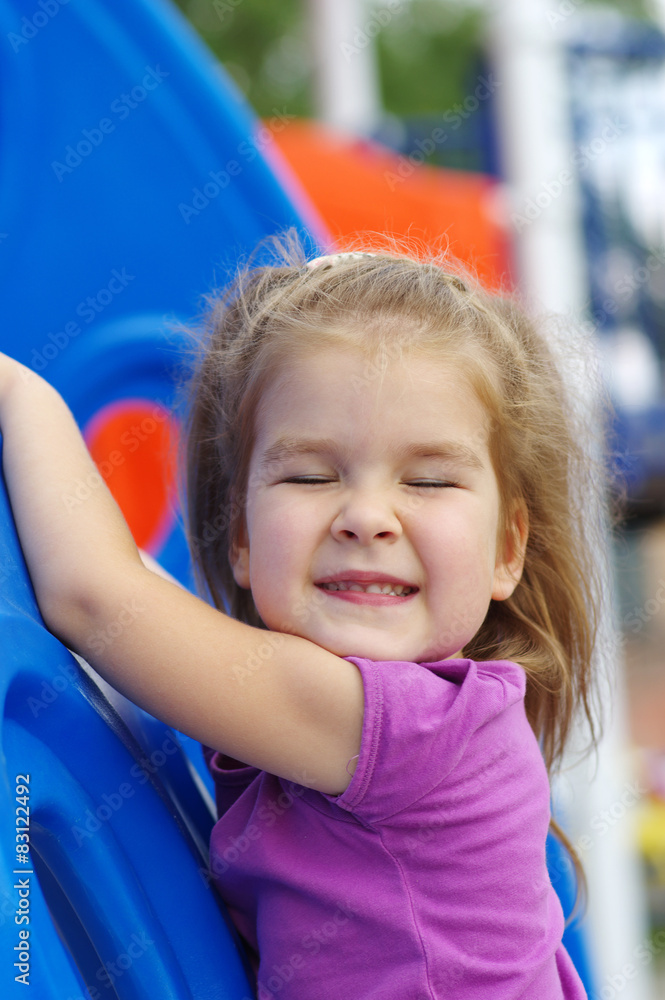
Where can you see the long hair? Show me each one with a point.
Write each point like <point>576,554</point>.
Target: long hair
<point>545,452</point>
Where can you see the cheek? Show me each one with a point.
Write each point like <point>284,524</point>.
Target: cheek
<point>455,552</point>
<point>277,539</point>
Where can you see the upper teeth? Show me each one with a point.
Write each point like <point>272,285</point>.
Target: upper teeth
<point>396,589</point>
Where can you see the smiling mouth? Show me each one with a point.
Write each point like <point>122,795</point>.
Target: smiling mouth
<point>387,589</point>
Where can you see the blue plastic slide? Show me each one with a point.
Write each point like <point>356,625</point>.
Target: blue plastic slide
<point>133,178</point>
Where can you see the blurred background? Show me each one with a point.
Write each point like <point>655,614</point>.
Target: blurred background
<point>526,135</point>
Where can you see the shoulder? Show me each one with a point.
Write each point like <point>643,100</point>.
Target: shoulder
<point>439,704</point>
<point>504,674</point>
<point>419,721</point>
<point>438,684</point>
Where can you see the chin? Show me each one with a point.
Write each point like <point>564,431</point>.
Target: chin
<point>367,649</point>
<point>383,652</point>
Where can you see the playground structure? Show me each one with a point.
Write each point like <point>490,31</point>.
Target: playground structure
<point>134,177</point>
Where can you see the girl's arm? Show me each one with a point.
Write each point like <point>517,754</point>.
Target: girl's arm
<point>273,700</point>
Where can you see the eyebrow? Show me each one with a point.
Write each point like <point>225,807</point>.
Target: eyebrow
<point>286,448</point>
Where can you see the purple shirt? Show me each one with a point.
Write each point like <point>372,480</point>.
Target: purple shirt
<point>427,877</point>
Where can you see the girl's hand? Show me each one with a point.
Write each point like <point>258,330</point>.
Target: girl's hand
<point>44,461</point>
<point>276,701</point>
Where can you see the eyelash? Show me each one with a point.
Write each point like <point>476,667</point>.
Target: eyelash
<point>307,480</point>
<point>419,484</point>
<point>429,483</point>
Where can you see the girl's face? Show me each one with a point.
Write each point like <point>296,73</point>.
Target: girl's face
<point>372,517</point>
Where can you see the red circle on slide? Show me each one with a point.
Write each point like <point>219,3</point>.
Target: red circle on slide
<point>133,443</point>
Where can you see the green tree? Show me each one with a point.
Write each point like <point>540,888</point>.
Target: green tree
<point>427,53</point>
<point>263,45</point>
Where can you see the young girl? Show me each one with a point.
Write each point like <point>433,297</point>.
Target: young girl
<point>385,477</point>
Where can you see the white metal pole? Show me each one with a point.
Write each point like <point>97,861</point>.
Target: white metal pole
<point>536,146</point>
<point>346,84</point>
<point>535,131</point>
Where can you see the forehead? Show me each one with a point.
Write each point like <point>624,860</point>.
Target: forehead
<point>404,402</point>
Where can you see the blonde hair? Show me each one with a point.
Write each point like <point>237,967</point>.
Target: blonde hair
<point>386,303</point>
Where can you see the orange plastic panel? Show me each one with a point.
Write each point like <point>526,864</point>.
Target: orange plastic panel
<point>362,187</point>
<point>133,442</point>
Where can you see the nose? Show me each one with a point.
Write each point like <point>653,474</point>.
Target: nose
<point>366,517</point>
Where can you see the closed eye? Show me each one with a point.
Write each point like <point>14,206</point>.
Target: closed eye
<point>417,483</point>
<point>437,483</point>
<point>308,480</point>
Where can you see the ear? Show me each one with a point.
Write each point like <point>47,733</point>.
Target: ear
<point>239,559</point>
<point>510,561</point>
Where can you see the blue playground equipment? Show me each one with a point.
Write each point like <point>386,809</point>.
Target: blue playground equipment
<point>117,827</point>
<point>134,177</point>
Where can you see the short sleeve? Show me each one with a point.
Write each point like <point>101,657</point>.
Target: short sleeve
<point>231,777</point>
<point>417,724</point>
